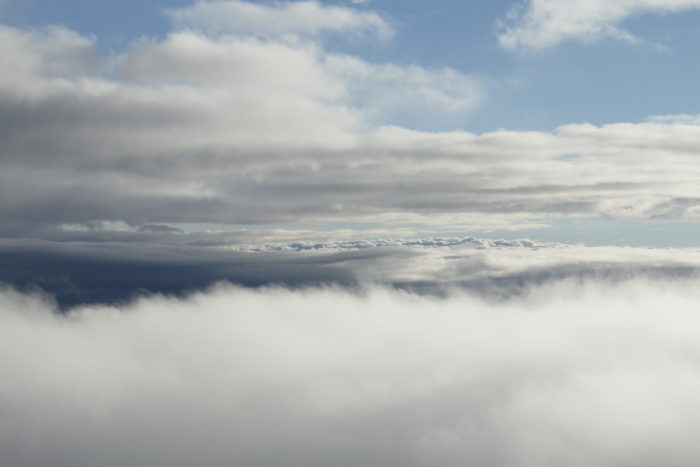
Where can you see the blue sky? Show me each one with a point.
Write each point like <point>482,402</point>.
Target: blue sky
<point>603,81</point>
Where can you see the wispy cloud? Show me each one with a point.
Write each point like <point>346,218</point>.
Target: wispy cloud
<point>303,18</point>
<point>541,24</point>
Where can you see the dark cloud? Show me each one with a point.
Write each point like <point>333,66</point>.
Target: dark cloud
<point>109,272</point>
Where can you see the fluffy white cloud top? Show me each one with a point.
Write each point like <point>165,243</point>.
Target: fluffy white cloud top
<point>571,375</point>
<point>539,24</point>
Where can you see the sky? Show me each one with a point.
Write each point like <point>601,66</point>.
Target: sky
<point>340,233</point>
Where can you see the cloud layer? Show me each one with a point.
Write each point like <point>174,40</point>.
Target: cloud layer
<point>203,128</point>
<point>540,24</point>
<point>573,375</point>
<point>113,269</point>
<point>231,130</point>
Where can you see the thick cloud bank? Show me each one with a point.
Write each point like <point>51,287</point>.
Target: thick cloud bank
<point>201,127</point>
<point>585,375</point>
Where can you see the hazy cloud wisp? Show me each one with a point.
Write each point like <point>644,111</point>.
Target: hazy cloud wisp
<point>304,18</point>
<point>541,24</point>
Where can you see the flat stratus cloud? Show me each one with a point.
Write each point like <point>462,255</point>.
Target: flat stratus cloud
<point>540,24</point>
<point>305,18</point>
<point>109,267</point>
<point>324,378</point>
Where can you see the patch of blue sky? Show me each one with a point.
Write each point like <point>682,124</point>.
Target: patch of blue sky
<point>115,24</point>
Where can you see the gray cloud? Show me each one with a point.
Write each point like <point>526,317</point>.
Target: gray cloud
<point>188,129</point>
<point>573,375</point>
<point>238,130</point>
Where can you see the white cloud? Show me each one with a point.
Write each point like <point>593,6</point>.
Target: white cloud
<point>574,375</point>
<point>394,89</point>
<point>539,24</point>
<point>54,51</point>
<point>303,18</point>
<point>283,71</point>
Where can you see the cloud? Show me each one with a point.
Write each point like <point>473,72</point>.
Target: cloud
<point>166,105</point>
<point>591,375</point>
<point>541,24</point>
<point>303,18</point>
<point>232,130</point>
<point>395,90</point>
<point>55,51</point>
<point>503,353</point>
<point>110,267</point>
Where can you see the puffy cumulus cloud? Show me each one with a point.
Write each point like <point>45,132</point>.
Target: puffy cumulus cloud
<point>188,121</point>
<point>185,58</point>
<point>539,24</point>
<point>302,70</point>
<point>303,18</point>
<point>572,375</point>
<point>56,50</point>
